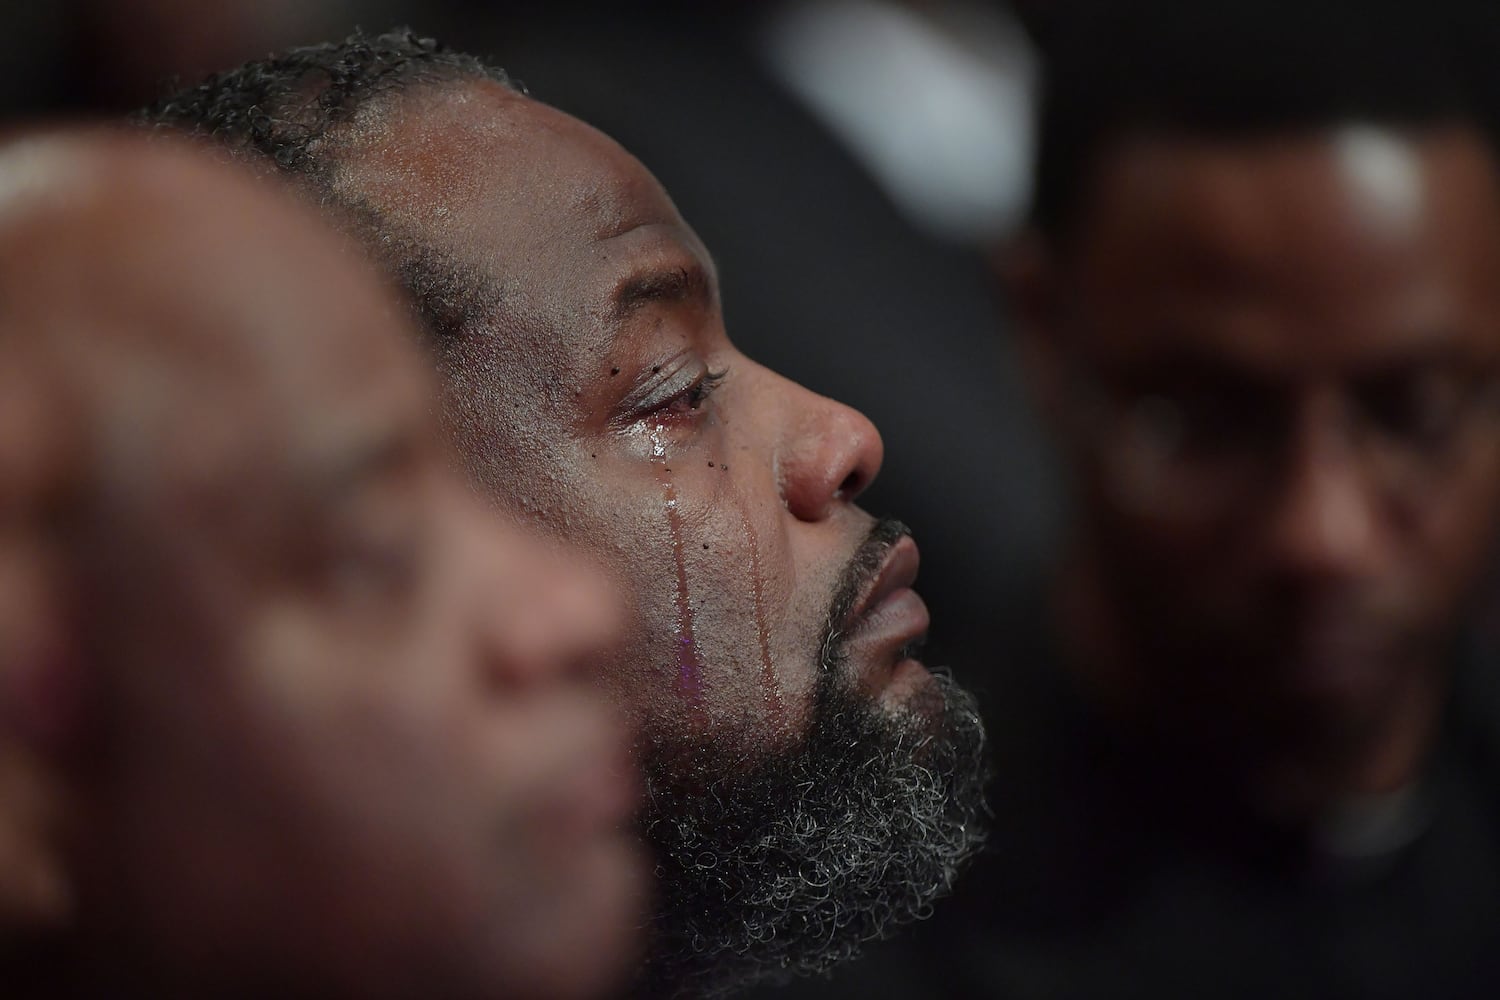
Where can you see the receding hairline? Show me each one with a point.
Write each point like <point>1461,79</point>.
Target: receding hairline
<point>327,151</point>
<point>378,177</point>
<point>1240,67</point>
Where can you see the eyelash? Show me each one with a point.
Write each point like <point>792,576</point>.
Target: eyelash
<point>675,404</point>
<point>699,391</point>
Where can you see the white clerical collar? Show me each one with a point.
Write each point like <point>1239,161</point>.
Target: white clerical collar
<point>1366,832</point>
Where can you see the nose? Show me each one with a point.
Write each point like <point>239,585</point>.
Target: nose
<point>830,454</point>
<point>1326,519</point>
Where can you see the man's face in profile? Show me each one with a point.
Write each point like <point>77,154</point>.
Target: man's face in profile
<point>600,395</point>
<point>596,391</point>
<point>1275,362</point>
<point>344,743</point>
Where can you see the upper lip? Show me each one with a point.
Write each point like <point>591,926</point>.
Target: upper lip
<point>897,571</point>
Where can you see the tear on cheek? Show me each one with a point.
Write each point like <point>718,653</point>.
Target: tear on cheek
<point>770,686</point>
<point>689,664</point>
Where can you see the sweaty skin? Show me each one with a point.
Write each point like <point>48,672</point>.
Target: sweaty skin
<point>324,722</point>
<point>602,398</point>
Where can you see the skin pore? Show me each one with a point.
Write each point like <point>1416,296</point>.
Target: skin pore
<point>325,725</point>
<point>1295,341</point>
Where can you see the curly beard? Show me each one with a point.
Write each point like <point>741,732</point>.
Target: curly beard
<point>791,868</point>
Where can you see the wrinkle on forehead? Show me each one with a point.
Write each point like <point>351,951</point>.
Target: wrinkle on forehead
<point>536,217</point>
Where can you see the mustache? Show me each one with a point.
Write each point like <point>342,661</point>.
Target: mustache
<point>857,576</point>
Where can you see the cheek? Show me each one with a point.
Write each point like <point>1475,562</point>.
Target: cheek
<point>741,594</point>
<point>1176,574</point>
<point>712,635</point>
<point>1449,542</point>
<point>500,407</point>
<point>719,635</point>
<point>618,517</point>
<point>42,683</point>
<point>706,570</point>
<point>1147,544</point>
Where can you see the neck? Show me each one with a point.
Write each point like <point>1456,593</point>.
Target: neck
<point>1291,767</point>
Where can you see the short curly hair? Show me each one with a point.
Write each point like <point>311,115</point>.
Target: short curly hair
<point>298,111</point>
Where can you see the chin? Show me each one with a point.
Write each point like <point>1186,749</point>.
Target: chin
<point>796,865</point>
<point>910,684</point>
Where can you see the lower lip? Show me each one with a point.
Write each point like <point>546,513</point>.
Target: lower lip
<point>901,611</point>
<point>879,635</point>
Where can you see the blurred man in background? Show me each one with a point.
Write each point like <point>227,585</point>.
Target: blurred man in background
<point>1250,754</point>
<point>812,785</point>
<point>282,710</point>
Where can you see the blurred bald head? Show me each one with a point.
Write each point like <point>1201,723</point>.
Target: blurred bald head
<point>115,247</point>
<point>253,626</point>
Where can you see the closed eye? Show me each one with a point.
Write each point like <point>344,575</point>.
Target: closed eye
<point>697,393</point>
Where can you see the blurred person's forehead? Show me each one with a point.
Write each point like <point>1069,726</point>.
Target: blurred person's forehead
<point>1358,231</point>
<point>210,317</point>
<point>158,235</point>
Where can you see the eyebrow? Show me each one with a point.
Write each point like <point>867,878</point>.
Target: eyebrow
<point>687,284</point>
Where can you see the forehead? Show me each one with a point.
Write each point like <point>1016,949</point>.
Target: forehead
<point>479,141</point>
<point>284,370</point>
<point>546,207</point>
<point>212,330</point>
<point>1331,239</point>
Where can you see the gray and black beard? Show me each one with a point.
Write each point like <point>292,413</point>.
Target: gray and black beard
<point>791,868</point>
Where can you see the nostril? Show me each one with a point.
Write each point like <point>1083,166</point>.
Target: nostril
<point>852,486</point>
